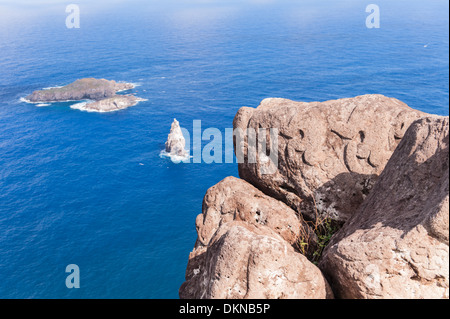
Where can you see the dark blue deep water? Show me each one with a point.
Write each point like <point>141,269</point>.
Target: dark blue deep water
<point>90,188</point>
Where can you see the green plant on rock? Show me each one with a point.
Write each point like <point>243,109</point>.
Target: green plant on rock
<point>324,232</point>
<point>313,240</point>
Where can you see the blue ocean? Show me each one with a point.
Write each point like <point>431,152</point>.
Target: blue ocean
<point>91,189</point>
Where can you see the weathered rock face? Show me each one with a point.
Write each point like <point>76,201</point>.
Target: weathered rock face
<point>239,224</point>
<point>235,199</point>
<point>329,154</point>
<point>396,244</point>
<point>115,103</point>
<point>83,89</point>
<point>175,141</point>
<point>244,261</point>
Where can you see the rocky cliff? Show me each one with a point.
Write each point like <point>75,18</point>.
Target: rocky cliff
<point>83,89</point>
<point>369,164</point>
<point>101,93</point>
<point>396,243</point>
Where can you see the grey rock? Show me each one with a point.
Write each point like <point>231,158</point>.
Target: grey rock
<point>111,104</point>
<point>83,89</point>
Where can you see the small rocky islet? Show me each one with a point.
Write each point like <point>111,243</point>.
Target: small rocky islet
<point>101,95</point>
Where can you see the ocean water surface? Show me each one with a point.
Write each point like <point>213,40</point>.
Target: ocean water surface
<point>91,189</point>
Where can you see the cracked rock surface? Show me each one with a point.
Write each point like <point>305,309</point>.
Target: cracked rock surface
<point>247,262</point>
<point>240,224</point>
<point>83,89</point>
<point>175,144</point>
<point>329,153</point>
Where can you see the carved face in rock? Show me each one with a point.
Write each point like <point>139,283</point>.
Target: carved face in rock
<point>331,153</point>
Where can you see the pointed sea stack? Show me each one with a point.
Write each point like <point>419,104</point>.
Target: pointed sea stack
<point>175,141</point>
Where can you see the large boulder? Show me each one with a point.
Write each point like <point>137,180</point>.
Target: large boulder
<point>235,199</point>
<point>247,262</point>
<point>396,244</point>
<point>329,154</point>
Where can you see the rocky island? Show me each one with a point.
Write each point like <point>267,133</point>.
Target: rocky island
<point>358,207</point>
<point>101,95</point>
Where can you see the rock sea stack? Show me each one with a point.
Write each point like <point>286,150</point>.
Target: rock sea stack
<point>175,144</point>
<point>330,154</point>
<point>247,262</point>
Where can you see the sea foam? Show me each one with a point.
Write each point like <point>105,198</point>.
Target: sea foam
<point>82,107</point>
<point>52,87</point>
<point>175,158</point>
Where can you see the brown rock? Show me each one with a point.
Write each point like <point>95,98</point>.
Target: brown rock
<point>329,154</point>
<point>396,244</point>
<point>235,199</point>
<point>247,262</point>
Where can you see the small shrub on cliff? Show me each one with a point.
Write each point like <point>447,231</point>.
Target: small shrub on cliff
<point>312,244</point>
<point>324,232</point>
